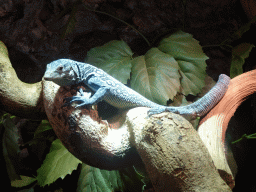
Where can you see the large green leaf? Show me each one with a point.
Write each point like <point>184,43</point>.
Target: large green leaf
<point>156,76</point>
<point>94,179</point>
<point>190,57</point>
<point>192,80</point>
<point>177,65</point>
<point>114,58</point>
<point>58,163</point>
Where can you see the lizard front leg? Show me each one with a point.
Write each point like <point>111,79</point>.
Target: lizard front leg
<point>85,100</point>
<point>96,85</point>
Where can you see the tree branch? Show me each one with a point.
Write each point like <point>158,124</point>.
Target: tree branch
<point>174,155</point>
<point>216,121</point>
<point>16,97</point>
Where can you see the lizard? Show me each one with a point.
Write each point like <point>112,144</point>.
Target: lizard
<point>105,87</point>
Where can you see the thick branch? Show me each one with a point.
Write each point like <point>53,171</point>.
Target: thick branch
<point>169,146</point>
<point>16,97</point>
<point>174,155</point>
<point>84,134</point>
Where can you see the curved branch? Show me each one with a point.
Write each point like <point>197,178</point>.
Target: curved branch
<point>16,97</point>
<point>216,121</point>
<point>239,89</point>
<point>167,143</point>
<point>84,134</point>
<point>175,156</point>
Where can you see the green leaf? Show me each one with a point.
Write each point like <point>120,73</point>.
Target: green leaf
<point>133,180</point>
<point>114,58</point>
<point>24,181</point>
<point>191,59</point>
<point>94,179</point>
<point>177,65</point>
<point>58,163</point>
<point>156,76</point>
<point>239,54</point>
<point>192,80</point>
<point>43,135</point>
<point>44,126</point>
<point>11,147</point>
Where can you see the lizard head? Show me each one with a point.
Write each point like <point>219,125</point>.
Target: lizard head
<point>62,72</point>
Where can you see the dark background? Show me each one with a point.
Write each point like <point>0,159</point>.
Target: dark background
<point>34,33</point>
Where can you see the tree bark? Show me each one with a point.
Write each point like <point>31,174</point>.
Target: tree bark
<point>175,156</point>
<point>16,97</point>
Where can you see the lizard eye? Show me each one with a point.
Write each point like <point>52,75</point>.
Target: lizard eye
<point>60,68</point>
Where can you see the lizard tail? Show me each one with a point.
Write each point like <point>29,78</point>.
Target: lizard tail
<point>203,105</point>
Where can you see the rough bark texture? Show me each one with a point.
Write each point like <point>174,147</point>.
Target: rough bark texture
<point>175,157</point>
<point>85,135</point>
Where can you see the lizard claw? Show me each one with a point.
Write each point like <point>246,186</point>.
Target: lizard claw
<point>69,100</point>
<point>81,105</point>
<point>82,100</point>
<point>81,91</point>
<point>84,97</point>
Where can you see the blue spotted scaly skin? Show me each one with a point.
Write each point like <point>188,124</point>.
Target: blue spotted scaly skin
<point>67,72</point>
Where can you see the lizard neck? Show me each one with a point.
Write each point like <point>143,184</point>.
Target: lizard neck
<point>82,70</point>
